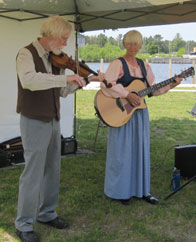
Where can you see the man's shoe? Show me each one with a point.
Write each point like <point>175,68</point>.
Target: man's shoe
<point>27,236</point>
<point>57,223</point>
<point>151,199</point>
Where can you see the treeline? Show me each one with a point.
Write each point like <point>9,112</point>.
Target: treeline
<point>109,48</point>
<point>93,52</point>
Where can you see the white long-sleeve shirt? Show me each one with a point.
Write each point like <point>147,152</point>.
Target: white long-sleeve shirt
<point>34,81</point>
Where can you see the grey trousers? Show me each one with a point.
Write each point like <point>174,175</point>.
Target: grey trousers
<point>39,182</point>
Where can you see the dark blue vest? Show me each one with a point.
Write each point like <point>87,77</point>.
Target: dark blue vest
<point>126,79</point>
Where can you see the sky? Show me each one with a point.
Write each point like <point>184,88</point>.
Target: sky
<point>186,30</point>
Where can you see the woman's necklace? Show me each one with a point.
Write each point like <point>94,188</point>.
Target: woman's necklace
<point>132,62</point>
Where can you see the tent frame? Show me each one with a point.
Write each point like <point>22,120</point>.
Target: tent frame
<point>109,15</point>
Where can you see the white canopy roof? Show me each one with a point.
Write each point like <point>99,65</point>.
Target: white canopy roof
<point>103,14</point>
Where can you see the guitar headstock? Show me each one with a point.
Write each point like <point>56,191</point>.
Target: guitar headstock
<point>188,72</point>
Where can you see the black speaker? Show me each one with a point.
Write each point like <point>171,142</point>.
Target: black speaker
<point>185,160</point>
<point>68,145</point>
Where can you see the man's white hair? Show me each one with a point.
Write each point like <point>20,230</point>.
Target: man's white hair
<point>56,26</point>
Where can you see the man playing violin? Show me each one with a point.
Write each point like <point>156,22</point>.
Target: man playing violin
<point>40,85</point>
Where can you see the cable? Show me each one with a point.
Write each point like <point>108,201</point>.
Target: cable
<point>158,167</point>
<point>193,178</point>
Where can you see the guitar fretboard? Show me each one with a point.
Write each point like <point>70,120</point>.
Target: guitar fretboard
<point>155,87</point>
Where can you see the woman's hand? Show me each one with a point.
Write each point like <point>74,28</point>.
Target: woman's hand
<point>75,79</point>
<point>176,83</point>
<point>133,99</point>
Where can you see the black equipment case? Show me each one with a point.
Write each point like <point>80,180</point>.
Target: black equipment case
<point>68,145</point>
<point>13,150</point>
<point>4,159</point>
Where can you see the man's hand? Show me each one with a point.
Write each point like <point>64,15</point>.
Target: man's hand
<point>133,99</point>
<point>75,79</point>
<point>99,78</point>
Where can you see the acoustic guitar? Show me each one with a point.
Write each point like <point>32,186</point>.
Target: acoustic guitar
<point>116,112</point>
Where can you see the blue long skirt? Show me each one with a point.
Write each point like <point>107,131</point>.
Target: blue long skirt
<point>128,158</point>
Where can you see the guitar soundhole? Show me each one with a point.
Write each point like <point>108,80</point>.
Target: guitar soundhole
<point>128,108</point>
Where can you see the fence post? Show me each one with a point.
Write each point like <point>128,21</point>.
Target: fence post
<point>101,65</point>
<point>170,67</point>
<point>193,80</point>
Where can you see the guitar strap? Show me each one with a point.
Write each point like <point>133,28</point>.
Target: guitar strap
<point>143,70</point>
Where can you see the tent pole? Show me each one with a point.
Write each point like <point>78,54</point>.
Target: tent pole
<point>76,25</point>
<point>77,64</point>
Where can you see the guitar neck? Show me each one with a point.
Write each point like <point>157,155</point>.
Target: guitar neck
<point>155,87</point>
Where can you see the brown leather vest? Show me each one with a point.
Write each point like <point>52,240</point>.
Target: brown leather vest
<point>42,105</point>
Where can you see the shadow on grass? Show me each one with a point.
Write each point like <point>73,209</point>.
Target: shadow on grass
<point>94,217</point>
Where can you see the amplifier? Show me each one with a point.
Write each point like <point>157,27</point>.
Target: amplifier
<point>68,145</point>
<point>4,159</point>
<point>185,160</point>
<point>16,156</point>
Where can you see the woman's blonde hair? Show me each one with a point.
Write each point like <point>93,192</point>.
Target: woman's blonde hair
<point>133,37</point>
<point>57,26</point>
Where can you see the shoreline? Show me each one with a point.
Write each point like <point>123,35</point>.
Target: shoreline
<point>96,86</point>
<point>174,60</point>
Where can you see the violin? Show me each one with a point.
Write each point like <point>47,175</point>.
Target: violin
<point>63,61</point>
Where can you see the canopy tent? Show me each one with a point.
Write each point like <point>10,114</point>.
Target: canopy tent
<point>20,21</point>
<point>103,14</point>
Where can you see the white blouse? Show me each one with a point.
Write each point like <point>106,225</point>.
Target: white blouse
<point>115,71</point>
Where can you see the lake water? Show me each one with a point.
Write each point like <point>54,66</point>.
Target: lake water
<point>161,71</point>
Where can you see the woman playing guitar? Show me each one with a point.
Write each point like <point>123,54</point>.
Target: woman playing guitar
<point>128,151</point>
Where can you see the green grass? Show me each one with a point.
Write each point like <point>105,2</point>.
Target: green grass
<point>95,218</point>
<point>186,88</point>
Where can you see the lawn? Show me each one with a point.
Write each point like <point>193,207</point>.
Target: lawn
<point>95,218</point>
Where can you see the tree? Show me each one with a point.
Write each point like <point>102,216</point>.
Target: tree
<point>103,47</point>
<point>160,43</point>
<point>181,52</point>
<point>165,46</point>
<point>119,41</point>
<point>158,38</point>
<point>152,49</point>
<point>178,42</point>
<point>102,40</point>
<point>190,46</point>
<point>144,46</point>
<point>112,41</point>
